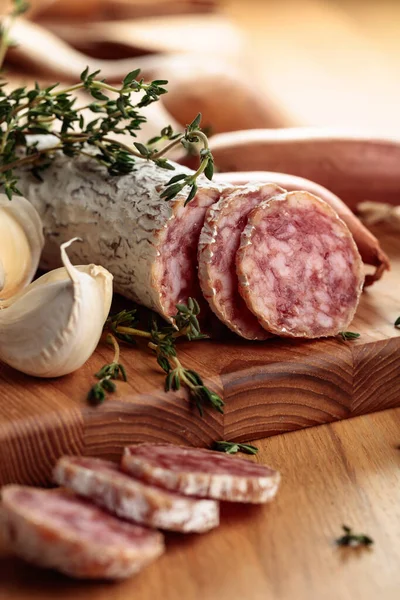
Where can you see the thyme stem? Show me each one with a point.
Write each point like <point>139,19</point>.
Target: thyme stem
<point>32,158</point>
<point>133,331</point>
<point>115,344</point>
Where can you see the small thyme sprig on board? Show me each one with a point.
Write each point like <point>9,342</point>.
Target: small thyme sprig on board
<point>234,448</point>
<point>349,335</point>
<point>162,342</point>
<point>352,539</point>
<point>106,375</point>
<point>52,111</point>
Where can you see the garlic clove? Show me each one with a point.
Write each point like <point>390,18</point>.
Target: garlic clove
<point>21,244</point>
<point>53,326</point>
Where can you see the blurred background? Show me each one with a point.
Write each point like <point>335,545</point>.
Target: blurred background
<point>242,63</point>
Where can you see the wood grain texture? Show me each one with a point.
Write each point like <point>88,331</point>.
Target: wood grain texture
<point>347,472</point>
<point>269,388</point>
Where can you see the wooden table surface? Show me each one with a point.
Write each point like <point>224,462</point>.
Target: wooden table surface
<point>323,63</point>
<point>347,472</point>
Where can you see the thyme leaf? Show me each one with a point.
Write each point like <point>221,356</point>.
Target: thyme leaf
<point>234,447</point>
<point>397,322</point>
<point>349,335</point>
<point>352,539</point>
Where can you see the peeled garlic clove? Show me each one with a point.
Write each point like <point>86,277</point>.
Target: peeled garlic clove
<point>21,244</point>
<point>53,326</point>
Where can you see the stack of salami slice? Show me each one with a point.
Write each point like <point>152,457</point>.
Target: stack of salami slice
<point>268,261</point>
<point>103,523</point>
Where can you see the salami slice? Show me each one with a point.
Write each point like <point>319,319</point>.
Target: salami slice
<point>219,242</point>
<point>147,243</point>
<point>299,269</point>
<point>121,494</point>
<point>202,473</point>
<point>58,530</point>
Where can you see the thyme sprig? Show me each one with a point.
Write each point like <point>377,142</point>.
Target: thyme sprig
<point>353,539</point>
<point>162,342</point>
<point>234,447</point>
<point>52,111</point>
<point>106,375</point>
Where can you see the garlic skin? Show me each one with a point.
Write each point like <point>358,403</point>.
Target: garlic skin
<point>53,326</point>
<point>21,244</point>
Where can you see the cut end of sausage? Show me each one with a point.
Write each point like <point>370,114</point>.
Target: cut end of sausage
<point>201,473</point>
<point>299,269</point>
<point>219,242</point>
<point>56,529</point>
<point>175,271</point>
<point>102,482</point>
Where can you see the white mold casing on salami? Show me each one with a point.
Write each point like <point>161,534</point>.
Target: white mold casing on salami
<point>58,530</point>
<point>299,269</point>
<point>219,242</point>
<point>147,243</point>
<point>201,473</point>
<point>102,482</point>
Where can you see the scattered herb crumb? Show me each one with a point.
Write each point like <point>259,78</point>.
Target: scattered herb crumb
<point>354,540</point>
<point>234,448</point>
<point>397,323</point>
<point>349,335</point>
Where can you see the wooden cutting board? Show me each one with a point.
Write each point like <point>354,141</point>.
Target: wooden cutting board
<point>269,388</point>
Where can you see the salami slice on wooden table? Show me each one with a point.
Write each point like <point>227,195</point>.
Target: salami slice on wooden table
<point>58,530</point>
<point>102,482</point>
<point>202,473</point>
<point>299,269</point>
<point>219,242</point>
<point>147,243</point>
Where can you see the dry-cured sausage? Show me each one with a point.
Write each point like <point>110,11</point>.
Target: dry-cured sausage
<point>202,473</point>
<point>58,530</point>
<point>219,242</point>
<point>299,269</point>
<point>102,482</point>
<point>147,243</point>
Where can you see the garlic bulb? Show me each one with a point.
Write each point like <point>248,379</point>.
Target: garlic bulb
<point>21,244</point>
<point>54,325</point>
